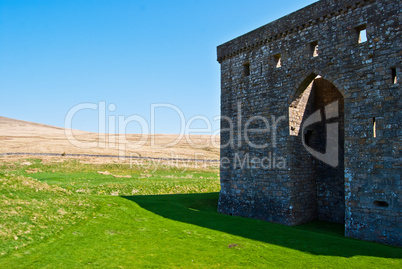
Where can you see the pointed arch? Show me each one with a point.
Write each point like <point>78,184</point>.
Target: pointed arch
<point>323,182</point>
<point>308,77</point>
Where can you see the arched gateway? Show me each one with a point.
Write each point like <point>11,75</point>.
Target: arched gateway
<point>322,162</point>
<point>311,119</point>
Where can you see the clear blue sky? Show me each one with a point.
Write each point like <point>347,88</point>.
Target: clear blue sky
<point>56,54</point>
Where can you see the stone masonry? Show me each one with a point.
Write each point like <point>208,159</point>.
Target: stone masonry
<point>337,61</point>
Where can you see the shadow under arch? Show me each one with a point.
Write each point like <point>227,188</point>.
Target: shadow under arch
<point>318,169</point>
<point>317,238</point>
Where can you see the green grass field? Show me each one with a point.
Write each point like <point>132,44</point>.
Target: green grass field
<point>72,215</point>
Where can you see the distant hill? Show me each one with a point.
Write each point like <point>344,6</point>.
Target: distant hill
<point>29,137</point>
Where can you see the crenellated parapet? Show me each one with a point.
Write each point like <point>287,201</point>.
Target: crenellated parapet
<point>293,23</point>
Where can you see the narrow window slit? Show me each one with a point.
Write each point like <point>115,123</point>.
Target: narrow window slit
<point>246,69</point>
<point>380,203</point>
<point>374,128</point>
<point>278,60</point>
<point>394,77</point>
<point>362,33</point>
<point>314,48</point>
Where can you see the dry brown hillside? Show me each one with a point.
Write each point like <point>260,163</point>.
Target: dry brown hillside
<point>21,136</point>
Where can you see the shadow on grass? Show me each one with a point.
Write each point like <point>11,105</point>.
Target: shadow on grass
<point>319,238</point>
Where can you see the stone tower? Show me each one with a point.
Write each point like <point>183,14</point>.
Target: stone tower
<point>311,119</point>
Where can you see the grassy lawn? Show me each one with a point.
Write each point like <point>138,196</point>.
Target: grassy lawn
<point>72,216</point>
<point>119,179</point>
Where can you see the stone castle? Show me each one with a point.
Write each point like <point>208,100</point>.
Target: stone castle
<point>311,119</point>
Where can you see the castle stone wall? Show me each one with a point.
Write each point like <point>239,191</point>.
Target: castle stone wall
<point>275,77</point>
